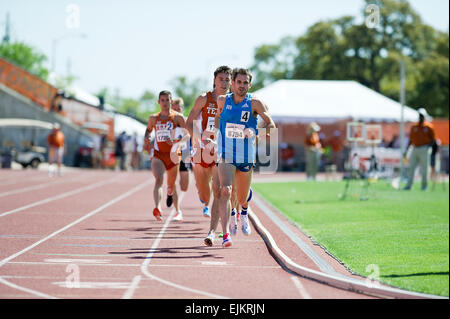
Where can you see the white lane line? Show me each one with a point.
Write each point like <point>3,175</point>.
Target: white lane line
<point>133,286</point>
<point>301,288</point>
<point>60,196</point>
<point>40,263</point>
<point>79,220</point>
<point>309,251</point>
<point>145,264</point>
<point>35,187</point>
<point>214,263</point>
<point>29,291</point>
<point>19,179</point>
<point>93,285</point>
<point>76,261</point>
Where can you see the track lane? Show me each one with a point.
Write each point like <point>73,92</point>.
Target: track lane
<point>20,202</point>
<point>111,251</point>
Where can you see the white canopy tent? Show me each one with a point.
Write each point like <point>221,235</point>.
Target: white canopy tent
<point>293,101</point>
<point>25,123</point>
<point>123,123</point>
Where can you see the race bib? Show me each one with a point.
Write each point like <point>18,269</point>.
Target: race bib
<point>235,131</point>
<point>163,136</point>
<point>211,124</point>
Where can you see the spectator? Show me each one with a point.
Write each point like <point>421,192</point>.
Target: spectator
<point>394,143</point>
<point>97,151</point>
<point>128,149</point>
<point>136,153</point>
<point>55,142</point>
<point>435,161</point>
<point>287,157</point>
<point>56,105</point>
<point>119,153</point>
<point>421,137</point>
<point>313,149</point>
<point>336,149</point>
<point>103,145</point>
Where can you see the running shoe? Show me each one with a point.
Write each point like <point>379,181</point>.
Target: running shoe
<point>209,240</point>
<point>169,200</point>
<point>206,212</point>
<point>246,230</point>
<point>157,214</point>
<point>233,224</point>
<point>226,242</point>
<point>178,217</point>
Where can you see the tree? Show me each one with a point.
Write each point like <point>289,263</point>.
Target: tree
<point>342,49</point>
<point>187,90</point>
<point>148,104</point>
<point>26,57</point>
<point>141,108</point>
<point>273,62</point>
<point>431,90</point>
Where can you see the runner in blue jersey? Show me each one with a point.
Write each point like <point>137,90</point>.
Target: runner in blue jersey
<point>236,119</point>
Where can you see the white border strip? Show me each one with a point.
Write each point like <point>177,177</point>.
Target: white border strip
<point>145,264</point>
<point>348,284</point>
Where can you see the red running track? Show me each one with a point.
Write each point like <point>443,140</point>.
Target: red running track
<point>91,234</point>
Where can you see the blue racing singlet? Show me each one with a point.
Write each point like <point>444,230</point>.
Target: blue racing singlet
<point>234,119</point>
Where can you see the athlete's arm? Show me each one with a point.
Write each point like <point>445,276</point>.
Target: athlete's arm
<point>148,130</point>
<point>260,108</point>
<point>150,126</point>
<point>220,105</point>
<point>181,123</point>
<point>195,113</point>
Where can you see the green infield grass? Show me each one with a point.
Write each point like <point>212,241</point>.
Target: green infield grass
<point>399,237</point>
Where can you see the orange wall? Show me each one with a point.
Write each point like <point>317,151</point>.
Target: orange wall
<point>441,127</point>
<point>30,86</point>
<point>295,133</point>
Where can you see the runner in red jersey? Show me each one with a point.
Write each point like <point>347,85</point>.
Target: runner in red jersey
<point>166,155</point>
<point>200,125</point>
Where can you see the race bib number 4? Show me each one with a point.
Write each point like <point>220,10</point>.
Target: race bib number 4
<point>245,116</point>
<point>235,131</point>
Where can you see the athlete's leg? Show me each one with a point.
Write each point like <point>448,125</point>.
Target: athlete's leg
<point>184,180</point>
<point>51,161</point>
<point>172,174</point>
<point>226,177</point>
<point>243,182</point>
<point>158,170</point>
<point>203,181</point>
<point>234,210</point>
<point>60,155</point>
<point>215,214</point>
<point>234,202</point>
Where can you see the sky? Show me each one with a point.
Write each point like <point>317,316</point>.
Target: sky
<point>137,45</point>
